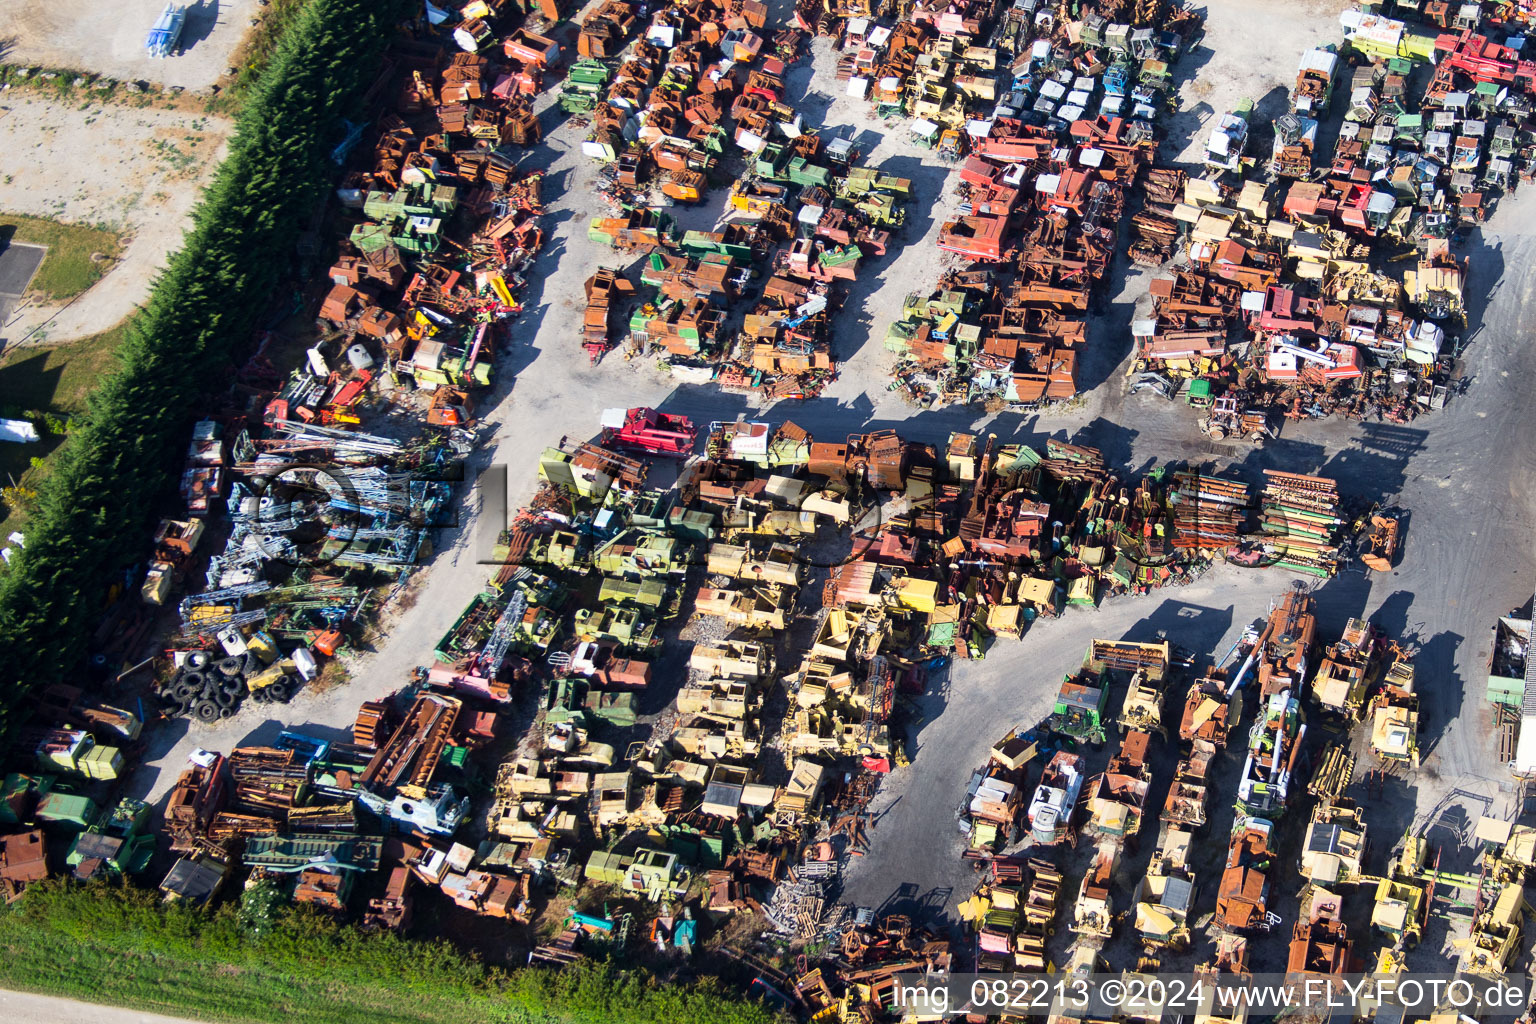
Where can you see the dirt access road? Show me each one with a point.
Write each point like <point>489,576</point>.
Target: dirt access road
<point>137,171</point>
<point>39,1009</point>
<point>1467,559</point>
<point>107,37</point>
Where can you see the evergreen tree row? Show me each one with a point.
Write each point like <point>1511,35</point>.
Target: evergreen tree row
<point>95,510</point>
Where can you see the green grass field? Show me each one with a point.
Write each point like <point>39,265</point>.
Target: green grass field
<point>67,269</point>
<point>122,946</point>
<point>53,379</point>
<point>215,992</point>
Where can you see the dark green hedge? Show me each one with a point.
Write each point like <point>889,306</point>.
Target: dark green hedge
<point>121,945</point>
<point>95,509</point>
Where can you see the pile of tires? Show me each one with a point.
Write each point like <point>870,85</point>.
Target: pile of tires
<point>209,689</point>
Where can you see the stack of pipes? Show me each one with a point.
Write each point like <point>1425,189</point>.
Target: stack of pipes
<point>1301,518</point>
<point>1207,510</point>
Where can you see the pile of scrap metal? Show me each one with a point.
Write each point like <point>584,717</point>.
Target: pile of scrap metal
<point>409,291</point>
<point>858,981</point>
<point>950,549</point>
<point>483,652</point>
<point>305,547</point>
<point>1054,153</point>
<point>991,541</point>
<point>1209,512</point>
<point>698,74</point>
<point>1421,158</point>
<point>926,64</point>
<point>1300,522</point>
<point>308,814</point>
<point>1192,315</point>
<point>803,216</point>
<point>1048,209</point>
<point>1332,336</point>
<point>407,306</point>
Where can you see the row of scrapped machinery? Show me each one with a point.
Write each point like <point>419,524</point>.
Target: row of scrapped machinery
<point>1289,301</point>
<point>1361,681</point>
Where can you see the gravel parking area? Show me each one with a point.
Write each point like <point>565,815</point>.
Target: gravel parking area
<point>107,37</point>
<point>138,171</point>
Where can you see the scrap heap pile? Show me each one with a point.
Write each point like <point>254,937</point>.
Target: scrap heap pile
<point>306,814</point>
<point>859,981</point>
<point>1017,338</point>
<point>803,216</point>
<point>973,545</point>
<point>448,226</point>
<point>966,545</point>
<point>1422,157</point>
<point>936,63</point>
<point>1192,314</point>
<point>1300,521</point>
<point>664,116</point>
<point>414,315</point>
<point>1208,511</point>
<point>1050,168</point>
<point>303,549</point>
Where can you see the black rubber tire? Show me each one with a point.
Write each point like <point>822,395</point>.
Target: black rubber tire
<point>234,685</point>
<point>279,692</point>
<point>251,665</point>
<point>260,697</point>
<point>224,700</point>
<point>198,660</point>
<point>195,681</point>
<point>206,711</point>
<point>226,713</point>
<point>181,691</point>
<point>228,667</point>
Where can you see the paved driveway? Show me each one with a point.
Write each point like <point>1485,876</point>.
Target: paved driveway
<point>18,262</point>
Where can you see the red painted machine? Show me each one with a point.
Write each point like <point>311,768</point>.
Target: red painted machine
<point>647,430</point>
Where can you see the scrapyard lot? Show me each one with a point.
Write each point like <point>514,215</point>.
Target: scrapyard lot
<point>1460,472</point>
